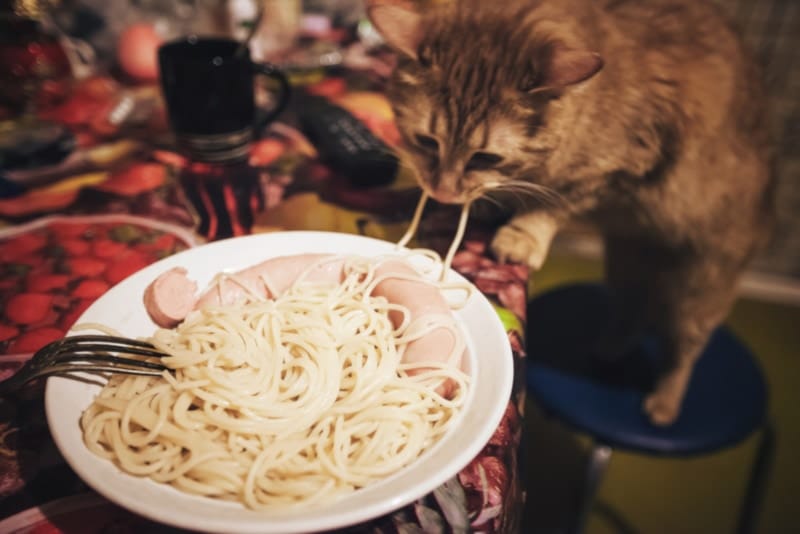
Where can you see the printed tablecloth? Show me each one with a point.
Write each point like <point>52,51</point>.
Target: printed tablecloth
<point>122,201</point>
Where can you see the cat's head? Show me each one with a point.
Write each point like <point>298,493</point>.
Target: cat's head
<point>473,92</point>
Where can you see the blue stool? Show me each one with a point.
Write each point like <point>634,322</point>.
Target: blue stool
<point>726,400</point>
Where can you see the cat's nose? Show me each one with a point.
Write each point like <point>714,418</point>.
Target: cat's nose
<point>447,196</point>
<point>447,189</point>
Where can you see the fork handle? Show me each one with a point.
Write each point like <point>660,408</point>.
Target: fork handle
<point>12,384</point>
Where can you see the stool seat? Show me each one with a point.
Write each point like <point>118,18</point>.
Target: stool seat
<point>726,399</point>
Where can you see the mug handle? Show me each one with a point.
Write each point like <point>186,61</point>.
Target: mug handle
<point>271,71</point>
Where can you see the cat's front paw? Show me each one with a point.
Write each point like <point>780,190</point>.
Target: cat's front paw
<point>512,245</point>
<point>662,409</point>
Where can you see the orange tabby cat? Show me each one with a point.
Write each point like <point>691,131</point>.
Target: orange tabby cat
<point>643,116</point>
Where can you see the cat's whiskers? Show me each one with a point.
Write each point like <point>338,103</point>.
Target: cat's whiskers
<point>490,199</point>
<point>520,189</point>
<point>484,190</point>
<point>538,191</point>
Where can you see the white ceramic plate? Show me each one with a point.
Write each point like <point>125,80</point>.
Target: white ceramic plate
<point>490,363</point>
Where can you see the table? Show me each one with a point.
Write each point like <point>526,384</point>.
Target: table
<point>122,201</point>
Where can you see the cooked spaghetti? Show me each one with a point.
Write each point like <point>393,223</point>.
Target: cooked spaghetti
<point>272,402</point>
<point>461,229</point>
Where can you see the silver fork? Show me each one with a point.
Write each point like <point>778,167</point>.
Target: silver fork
<point>94,353</point>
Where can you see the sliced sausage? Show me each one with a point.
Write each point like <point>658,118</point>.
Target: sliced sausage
<point>172,295</point>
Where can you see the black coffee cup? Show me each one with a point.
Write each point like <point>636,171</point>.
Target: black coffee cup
<point>209,90</point>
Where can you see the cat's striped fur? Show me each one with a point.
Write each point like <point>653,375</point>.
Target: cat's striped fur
<point>644,116</point>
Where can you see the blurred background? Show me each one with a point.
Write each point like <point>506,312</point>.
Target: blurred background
<point>74,38</point>
<point>115,35</point>
<point>703,494</point>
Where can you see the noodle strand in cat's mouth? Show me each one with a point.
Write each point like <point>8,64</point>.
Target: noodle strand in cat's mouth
<point>459,235</point>
<point>412,227</point>
<point>460,231</point>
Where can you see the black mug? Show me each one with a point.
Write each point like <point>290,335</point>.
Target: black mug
<point>209,91</point>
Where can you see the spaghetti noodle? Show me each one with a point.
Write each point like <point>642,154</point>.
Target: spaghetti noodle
<point>459,236</point>
<point>293,400</point>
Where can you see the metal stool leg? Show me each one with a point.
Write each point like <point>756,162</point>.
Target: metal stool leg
<point>758,480</point>
<point>595,470</point>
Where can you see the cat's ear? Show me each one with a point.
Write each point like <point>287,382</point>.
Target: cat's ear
<point>398,24</point>
<point>565,66</point>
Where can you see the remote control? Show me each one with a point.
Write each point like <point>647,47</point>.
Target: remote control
<point>346,144</point>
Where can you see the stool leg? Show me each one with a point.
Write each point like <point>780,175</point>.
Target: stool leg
<point>758,480</point>
<point>595,470</point>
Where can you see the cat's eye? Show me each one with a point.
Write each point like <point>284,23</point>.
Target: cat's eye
<point>424,56</point>
<point>427,142</point>
<point>481,161</point>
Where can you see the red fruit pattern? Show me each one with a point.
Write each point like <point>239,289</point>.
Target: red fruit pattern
<point>33,340</point>
<point>86,108</point>
<point>20,246</point>
<point>90,289</point>
<point>28,308</point>
<point>44,283</point>
<point>74,247</point>
<point>7,332</point>
<point>52,273</point>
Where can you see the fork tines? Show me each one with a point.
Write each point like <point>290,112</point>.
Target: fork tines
<point>89,353</point>
<point>98,343</point>
<point>101,349</point>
